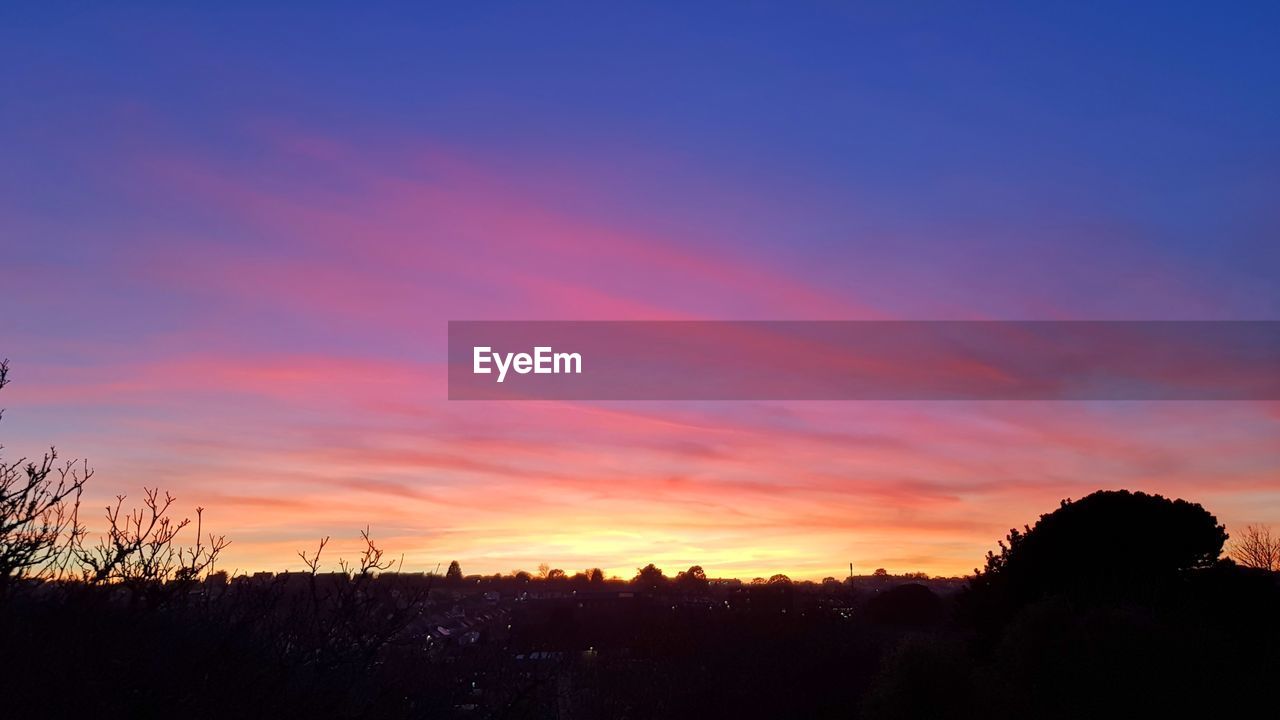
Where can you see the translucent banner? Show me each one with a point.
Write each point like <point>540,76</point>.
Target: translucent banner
<point>864,360</point>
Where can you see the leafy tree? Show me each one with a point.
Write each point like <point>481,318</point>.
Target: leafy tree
<point>693,579</point>
<point>454,573</point>
<point>1107,545</point>
<point>924,677</point>
<point>596,576</point>
<point>779,579</point>
<point>649,577</point>
<point>912,605</point>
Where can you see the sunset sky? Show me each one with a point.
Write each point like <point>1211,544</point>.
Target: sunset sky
<point>231,241</point>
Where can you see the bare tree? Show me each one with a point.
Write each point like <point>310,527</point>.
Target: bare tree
<point>41,535</point>
<point>343,620</point>
<point>142,546</point>
<point>1257,548</point>
<point>198,560</point>
<point>313,562</point>
<point>370,559</point>
<point>39,503</point>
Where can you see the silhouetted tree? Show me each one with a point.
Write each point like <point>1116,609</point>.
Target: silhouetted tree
<point>556,574</point>
<point>909,605</point>
<point>39,504</point>
<point>693,580</point>
<point>338,626</point>
<point>1107,545</point>
<point>41,535</point>
<point>454,573</point>
<point>924,677</point>
<point>649,577</point>
<point>142,546</point>
<point>779,579</point>
<point>1256,548</point>
<point>596,576</point>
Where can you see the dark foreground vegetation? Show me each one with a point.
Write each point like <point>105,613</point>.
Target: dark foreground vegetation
<point>1115,605</point>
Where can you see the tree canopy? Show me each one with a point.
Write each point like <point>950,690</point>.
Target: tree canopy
<point>649,577</point>
<point>1110,544</point>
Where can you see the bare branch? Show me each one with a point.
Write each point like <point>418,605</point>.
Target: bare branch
<point>1257,548</point>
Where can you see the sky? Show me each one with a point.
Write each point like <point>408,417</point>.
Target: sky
<point>231,239</point>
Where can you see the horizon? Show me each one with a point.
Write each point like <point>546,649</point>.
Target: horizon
<point>233,251</point>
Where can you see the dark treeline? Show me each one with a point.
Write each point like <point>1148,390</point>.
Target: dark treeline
<point>1119,604</point>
